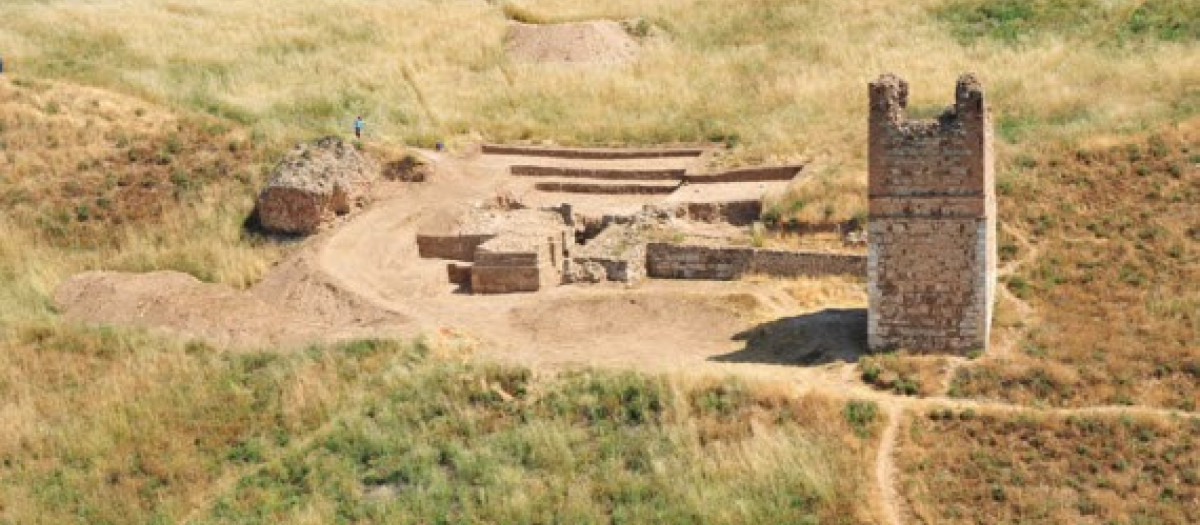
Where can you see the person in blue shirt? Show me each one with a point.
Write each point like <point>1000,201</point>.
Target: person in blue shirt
<point>358,127</point>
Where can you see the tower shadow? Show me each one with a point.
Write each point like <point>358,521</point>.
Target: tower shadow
<point>828,336</point>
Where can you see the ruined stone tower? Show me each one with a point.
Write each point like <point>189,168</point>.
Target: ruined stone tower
<point>932,262</point>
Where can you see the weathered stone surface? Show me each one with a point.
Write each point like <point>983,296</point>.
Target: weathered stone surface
<point>673,174</point>
<point>453,247</point>
<point>514,249</point>
<point>515,262</point>
<point>756,174</point>
<point>592,153</point>
<point>313,183</point>
<point>599,188</point>
<point>679,261</point>
<point>737,213</point>
<point>932,223</point>
<point>617,253</point>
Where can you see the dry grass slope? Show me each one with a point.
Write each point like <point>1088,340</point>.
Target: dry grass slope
<point>1006,468</point>
<point>1117,229</point>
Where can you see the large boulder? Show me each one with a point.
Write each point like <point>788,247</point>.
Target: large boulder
<point>315,182</point>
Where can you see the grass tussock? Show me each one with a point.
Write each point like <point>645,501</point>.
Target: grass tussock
<point>904,374</point>
<point>524,15</point>
<point>962,466</point>
<point>1114,226</point>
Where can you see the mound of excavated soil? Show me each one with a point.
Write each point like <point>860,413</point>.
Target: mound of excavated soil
<point>596,42</point>
<point>181,303</point>
<point>312,183</point>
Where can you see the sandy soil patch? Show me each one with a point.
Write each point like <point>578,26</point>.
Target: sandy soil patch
<point>594,42</point>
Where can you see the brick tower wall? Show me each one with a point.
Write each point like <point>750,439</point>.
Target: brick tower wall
<point>932,244</point>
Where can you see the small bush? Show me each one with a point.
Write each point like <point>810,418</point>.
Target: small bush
<point>861,416</point>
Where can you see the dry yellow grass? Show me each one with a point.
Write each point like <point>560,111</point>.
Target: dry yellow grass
<point>1114,227</point>
<point>783,80</point>
<point>967,466</point>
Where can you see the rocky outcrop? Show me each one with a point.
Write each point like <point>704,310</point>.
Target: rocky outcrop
<point>315,182</point>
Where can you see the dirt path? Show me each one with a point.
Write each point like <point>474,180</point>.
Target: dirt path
<point>885,467</point>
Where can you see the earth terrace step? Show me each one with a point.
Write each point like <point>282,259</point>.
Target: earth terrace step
<point>592,153</point>
<point>603,187</point>
<point>761,174</point>
<point>605,174</point>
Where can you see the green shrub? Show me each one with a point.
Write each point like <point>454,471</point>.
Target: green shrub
<point>861,416</point>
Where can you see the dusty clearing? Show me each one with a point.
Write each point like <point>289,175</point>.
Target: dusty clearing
<point>363,277</point>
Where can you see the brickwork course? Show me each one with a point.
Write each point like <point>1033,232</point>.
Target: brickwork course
<point>727,263</point>
<point>932,242</point>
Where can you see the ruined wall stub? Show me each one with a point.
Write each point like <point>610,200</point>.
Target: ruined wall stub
<point>932,260</point>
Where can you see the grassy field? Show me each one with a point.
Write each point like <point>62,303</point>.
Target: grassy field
<point>133,135</point>
<point>109,426</point>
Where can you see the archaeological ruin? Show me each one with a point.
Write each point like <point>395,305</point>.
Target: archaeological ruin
<point>932,240</point>
<point>626,215</point>
<point>622,215</point>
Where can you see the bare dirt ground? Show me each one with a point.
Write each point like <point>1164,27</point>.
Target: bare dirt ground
<point>599,41</point>
<point>656,325</point>
<point>363,277</point>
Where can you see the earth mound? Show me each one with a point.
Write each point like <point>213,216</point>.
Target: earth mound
<point>313,183</point>
<point>181,303</point>
<point>595,42</point>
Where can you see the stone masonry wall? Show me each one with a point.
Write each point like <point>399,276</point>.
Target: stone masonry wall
<point>452,247</point>
<point>675,261</point>
<point>737,213</point>
<point>758,174</point>
<point>931,268</point>
<point>518,263</point>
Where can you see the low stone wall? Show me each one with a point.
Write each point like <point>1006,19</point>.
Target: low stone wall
<point>762,174</point>
<point>604,269</point>
<point>453,247</point>
<point>517,263</point>
<point>505,279</point>
<point>674,261</point>
<point>606,189</point>
<point>737,213</point>
<point>603,174</point>
<point>591,153</point>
